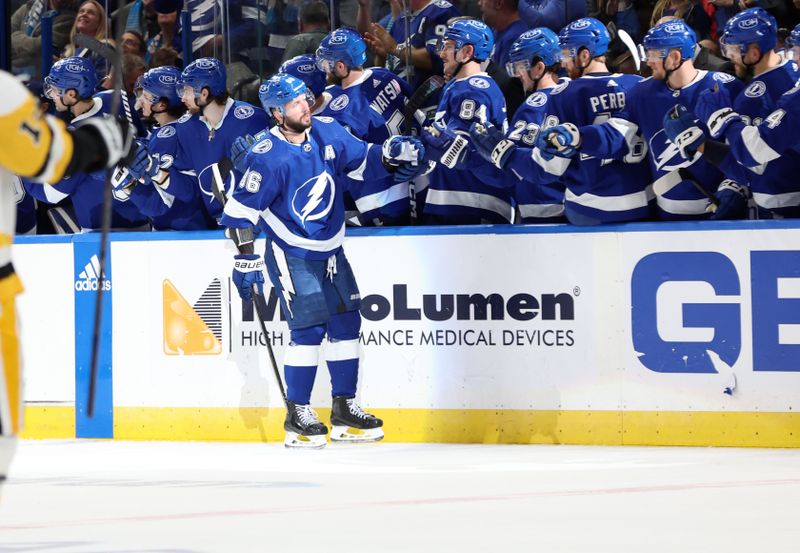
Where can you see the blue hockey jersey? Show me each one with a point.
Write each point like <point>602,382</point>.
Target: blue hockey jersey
<point>775,186</point>
<point>598,189</point>
<point>644,112</point>
<point>86,189</point>
<point>200,147</point>
<point>173,203</point>
<point>537,202</point>
<point>293,191</point>
<point>372,109</point>
<point>479,191</point>
<point>427,26</point>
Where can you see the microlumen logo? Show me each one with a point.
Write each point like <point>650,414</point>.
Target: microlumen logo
<point>192,329</point>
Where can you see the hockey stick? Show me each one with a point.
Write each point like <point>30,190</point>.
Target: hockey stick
<point>220,174</point>
<point>110,55</point>
<point>631,46</point>
<point>426,90</point>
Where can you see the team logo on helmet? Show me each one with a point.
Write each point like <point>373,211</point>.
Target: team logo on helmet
<point>756,89</point>
<point>205,63</point>
<point>314,199</point>
<point>537,99</point>
<point>166,132</point>
<point>75,68</point>
<point>307,68</point>
<point>167,79</point>
<point>674,28</point>
<point>339,103</point>
<point>243,112</point>
<point>263,147</point>
<point>528,34</point>
<point>338,38</point>
<point>580,24</point>
<point>477,82</point>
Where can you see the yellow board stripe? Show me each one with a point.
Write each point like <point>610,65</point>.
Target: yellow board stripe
<point>453,426</point>
<point>49,422</point>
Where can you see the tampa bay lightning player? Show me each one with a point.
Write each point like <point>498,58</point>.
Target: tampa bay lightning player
<point>669,48</point>
<point>749,40</point>
<point>304,67</point>
<point>534,58</point>
<point>291,190</point>
<point>205,135</point>
<point>598,190</point>
<point>70,85</point>
<point>168,197</point>
<point>463,188</point>
<point>370,103</point>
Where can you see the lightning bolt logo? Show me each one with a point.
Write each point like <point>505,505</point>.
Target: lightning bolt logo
<point>285,278</point>
<point>311,195</point>
<point>668,153</point>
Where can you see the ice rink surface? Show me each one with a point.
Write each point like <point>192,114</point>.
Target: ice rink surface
<point>113,497</point>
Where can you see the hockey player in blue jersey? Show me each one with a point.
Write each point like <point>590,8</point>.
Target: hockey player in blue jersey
<point>370,103</point>
<point>534,58</point>
<point>70,85</point>
<point>669,48</point>
<point>598,189</point>
<point>206,134</point>
<point>290,190</point>
<point>168,197</point>
<point>304,67</point>
<point>748,40</point>
<point>463,189</point>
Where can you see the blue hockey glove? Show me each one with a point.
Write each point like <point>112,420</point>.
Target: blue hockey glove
<point>683,129</point>
<point>445,146</point>
<point>405,155</point>
<point>491,143</point>
<point>561,141</point>
<point>248,269</point>
<point>713,107</point>
<point>143,166</point>
<point>731,201</point>
<point>239,150</point>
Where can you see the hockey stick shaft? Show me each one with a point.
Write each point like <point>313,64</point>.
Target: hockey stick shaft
<point>258,302</point>
<point>105,51</point>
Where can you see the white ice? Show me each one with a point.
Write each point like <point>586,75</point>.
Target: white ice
<point>116,496</point>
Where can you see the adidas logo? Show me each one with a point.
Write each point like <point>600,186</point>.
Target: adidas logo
<point>89,279</point>
<point>611,82</point>
<point>376,83</point>
<point>192,329</point>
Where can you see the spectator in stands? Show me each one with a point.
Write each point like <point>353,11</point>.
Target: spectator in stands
<point>91,21</point>
<point>26,32</point>
<point>691,11</point>
<point>503,18</point>
<point>132,43</point>
<point>427,24</point>
<point>314,25</point>
<point>138,16</point>
<point>165,37</point>
<point>553,14</point>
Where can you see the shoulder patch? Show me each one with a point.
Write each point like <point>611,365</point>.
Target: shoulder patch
<point>166,132</point>
<point>243,112</point>
<point>755,89</point>
<point>324,118</point>
<point>444,4</point>
<point>559,88</point>
<point>339,103</point>
<point>723,77</point>
<point>262,147</point>
<point>793,90</point>
<point>479,82</point>
<point>185,117</point>
<point>537,99</point>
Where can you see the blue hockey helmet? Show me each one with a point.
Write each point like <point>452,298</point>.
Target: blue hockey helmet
<point>203,73</point>
<point>305,68</point>
<point>72,73</point>
<point>794,36</point>
<point>751,26</point>
<point>279,89</point>
<point>161,83</point>
<point>539,43</point>
<point>671,35</point>
<point>344,45</point>
<point>470,31</point>
<point>586,32</point>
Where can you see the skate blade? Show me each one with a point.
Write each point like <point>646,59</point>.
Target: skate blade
<point>355,435</point>
<point>299,441</point>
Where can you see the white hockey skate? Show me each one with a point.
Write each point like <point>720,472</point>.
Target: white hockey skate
<point>351,424</point>
<point>303,427</point>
